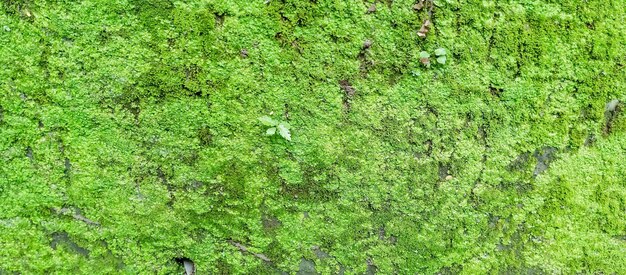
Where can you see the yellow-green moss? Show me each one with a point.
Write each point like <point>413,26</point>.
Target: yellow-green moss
<point>142,116</point>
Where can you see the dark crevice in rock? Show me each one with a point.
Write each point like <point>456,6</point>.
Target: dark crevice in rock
<point>306,267</point>
<point>544,157</point>
<point>63,239</point>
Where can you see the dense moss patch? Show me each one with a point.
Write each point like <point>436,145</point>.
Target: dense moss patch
<point>129,137</point>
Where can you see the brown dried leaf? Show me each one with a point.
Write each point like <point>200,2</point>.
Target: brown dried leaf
<point>424,29</point>
<point>427,23</point>
<point>422,32</point>
<point>372,8</point>
<point>419,5</point>
<point>27,12</point>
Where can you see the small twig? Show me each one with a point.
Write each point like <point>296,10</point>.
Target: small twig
<point>430,9</point>
<point>244,249</point>
<point>79,217</point>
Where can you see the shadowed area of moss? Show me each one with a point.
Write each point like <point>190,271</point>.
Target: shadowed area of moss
<point>129,137</point>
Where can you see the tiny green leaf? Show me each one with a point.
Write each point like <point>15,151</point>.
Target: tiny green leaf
<point>267,121</point>
<point>271,131</point>
<point>424,54</point>
<point>441,59</point>
<point>440,52</point>
<point>284,132</point>
<point>286,125</point>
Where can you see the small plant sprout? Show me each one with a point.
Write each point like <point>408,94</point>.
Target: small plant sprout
<point>425,58</point>
<point>281,127</point>
<point>441,55</point>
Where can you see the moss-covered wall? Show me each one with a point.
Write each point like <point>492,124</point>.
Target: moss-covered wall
<point>129,137</point>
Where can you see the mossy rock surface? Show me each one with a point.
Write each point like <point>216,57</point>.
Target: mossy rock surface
<point>129,137</point>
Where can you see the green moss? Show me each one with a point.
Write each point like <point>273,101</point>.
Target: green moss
<point>142,117</point>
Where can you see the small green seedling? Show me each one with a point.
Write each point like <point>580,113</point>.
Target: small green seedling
<point>281,126</point>
<point>441,55</point>
<point>425,58</point>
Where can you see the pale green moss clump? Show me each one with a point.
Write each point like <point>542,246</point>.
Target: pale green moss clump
<point>129,137</point>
